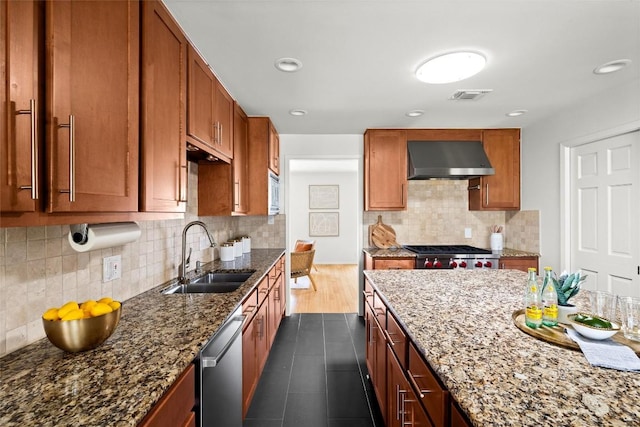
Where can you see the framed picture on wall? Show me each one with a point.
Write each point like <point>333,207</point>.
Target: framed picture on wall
<point>322,224</point>
<point>324,196</point>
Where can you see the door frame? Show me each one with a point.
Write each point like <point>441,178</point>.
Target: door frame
<point>565,182</point>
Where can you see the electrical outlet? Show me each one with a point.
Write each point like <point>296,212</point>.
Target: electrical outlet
<point>111,268</point>
<point>467,233</point>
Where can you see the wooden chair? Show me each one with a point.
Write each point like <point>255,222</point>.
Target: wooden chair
<point>301,263</point>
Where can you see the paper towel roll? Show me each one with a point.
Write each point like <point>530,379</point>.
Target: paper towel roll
<point>101,236</point>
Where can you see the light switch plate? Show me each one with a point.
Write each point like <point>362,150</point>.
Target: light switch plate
<point>111,268</point>
<point>467,233</point>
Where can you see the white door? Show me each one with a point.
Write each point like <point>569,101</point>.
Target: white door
<point>605,213</point>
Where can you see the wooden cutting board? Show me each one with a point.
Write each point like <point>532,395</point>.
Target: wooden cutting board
<point>382,235</point>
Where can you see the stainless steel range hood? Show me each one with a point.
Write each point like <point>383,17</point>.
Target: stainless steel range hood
<point>447,160</point>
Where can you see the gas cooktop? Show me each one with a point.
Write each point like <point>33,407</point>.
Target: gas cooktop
<point>446,249</point>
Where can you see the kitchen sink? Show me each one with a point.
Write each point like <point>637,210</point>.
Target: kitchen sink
<point>216,282</point>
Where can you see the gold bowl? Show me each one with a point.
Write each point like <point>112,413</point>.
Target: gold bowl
<point>82,334</point>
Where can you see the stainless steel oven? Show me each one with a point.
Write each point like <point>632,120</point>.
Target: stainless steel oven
<point>274,194</point>
<point>442,257</point>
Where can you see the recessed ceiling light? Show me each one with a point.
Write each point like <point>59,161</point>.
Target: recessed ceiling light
<point>611,66</point>
<point>288,65</point>
<point>414,113</point>
<point>451,67</point>
<point>516,113</point>
<point>298,112</point>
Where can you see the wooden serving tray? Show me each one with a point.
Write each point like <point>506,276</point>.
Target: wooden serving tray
<point>556,334</point>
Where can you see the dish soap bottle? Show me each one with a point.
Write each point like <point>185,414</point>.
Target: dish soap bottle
<point>549,299</point>
<point>532,302</point>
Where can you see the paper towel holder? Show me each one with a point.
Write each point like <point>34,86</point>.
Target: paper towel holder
<point>87,237</point>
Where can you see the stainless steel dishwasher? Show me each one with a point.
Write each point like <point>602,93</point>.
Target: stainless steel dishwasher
<point>221,376</point>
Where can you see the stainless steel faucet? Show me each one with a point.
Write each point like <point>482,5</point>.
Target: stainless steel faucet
<point>185,261</point>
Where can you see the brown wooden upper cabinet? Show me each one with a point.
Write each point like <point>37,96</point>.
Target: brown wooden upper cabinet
<point>499,192</point>
<point>92,110</point>
<point>385,171</point>
<point>260,158</point>
<point>163,183</point>
<point>223,189</point>
<point>20,104</point>
<point>209,110</point>
<point>274,149</point>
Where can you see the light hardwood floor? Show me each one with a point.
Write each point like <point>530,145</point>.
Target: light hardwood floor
<point>337,290</point>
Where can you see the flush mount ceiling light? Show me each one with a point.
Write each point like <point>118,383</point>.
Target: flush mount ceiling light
<point>414,113</point>
<point>288,65</point>
<point>451,67</point>
<point>298,112</point>
<point>611,66</point>
<point>516,113</point>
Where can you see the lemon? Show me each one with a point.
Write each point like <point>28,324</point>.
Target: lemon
<point>51,314</point>
<point>65,309</point>
<point>88,305</point>
<point>114,305</point>
<point>105,300</point>
<point>73,315</point>
<point>100,308</point>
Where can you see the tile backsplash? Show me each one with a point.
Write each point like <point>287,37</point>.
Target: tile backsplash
<point>438,213</point>
<point>38,268</point>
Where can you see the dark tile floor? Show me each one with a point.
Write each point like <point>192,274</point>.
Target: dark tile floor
<point>315,376</point>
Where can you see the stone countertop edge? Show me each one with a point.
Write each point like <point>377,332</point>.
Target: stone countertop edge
<point>401,252</point>
<point>461,322</point>
<point>118,383</point>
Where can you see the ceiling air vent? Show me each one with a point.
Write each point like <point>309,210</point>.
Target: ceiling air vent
<point>469,94</point>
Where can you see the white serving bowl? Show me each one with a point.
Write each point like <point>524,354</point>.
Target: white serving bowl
<point>593,332</point>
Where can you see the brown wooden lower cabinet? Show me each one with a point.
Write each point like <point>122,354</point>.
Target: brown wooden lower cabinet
<point>519,263</point>
<point>389,263</point>
<point>458,419</point>
<point>403,405</point>
<point>175,408</point>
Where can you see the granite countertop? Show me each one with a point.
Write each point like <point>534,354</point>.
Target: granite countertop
<point>117,383</point>
<point>515,253</point>
<point>389,253</point>
<point>500,376</point>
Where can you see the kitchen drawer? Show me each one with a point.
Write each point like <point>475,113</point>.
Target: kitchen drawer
<point>394,264</point>
<point>397,339</point>
<point>175,407</point>
<point>263,290</point>
<point>250,307</point>
<point>434,398</point>
<point>380,310</point>
<point>368,292</point>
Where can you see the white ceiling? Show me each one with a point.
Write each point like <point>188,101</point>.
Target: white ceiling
<point>359,57</point>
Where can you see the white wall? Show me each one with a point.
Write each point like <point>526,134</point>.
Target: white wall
<point>341,249</point>
<point>542,168</point>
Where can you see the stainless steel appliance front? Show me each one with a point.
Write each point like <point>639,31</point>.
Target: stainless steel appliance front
<point>453,256</point>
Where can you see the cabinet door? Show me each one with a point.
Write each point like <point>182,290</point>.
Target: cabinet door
<point>20,101</point>
<point>258,156</point>
<point>262,343</point>
<point>250,374</point>
<point>240,160</point>
<point>502,190</point>
<point>163,112</point>
<point>274,149</point>
<point>403,406</point>
<point>394,264</point>
<point>376,358</point>
<point>93,105</point>
<point>223,120</point>
<point>385,156</point>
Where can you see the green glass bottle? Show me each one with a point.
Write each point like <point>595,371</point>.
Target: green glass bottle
<point>532,302</point>
<point>549,299</point>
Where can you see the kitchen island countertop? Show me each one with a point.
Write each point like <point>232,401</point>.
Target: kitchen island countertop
<point>117,383</point>
<point>500,376</point>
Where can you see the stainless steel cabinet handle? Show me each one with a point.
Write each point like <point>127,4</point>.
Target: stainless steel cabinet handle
<point>474,187</point>
<point>72,158</point>
<point>33,112</point>
<point>412,379</point>
<point>236,194</point>
<point>486,195</point>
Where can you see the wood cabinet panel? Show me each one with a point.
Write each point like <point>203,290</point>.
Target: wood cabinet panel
<point>385,174</point>
<point>376,358</point>
<point>260,130</point>
<point>163,183</point>
<point>397,339</point>
<point>502,190</point>
<point>458,419</point>
<point>21,25</point>
<point>240,161</point>
<point>209,110</point>
<point>444,134</point>
<point>274,149</point>
<point>175,408</point>
<point>519,263</point>
<point>433,397</point>
<point>92,123</point>
<point>394,263</point>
